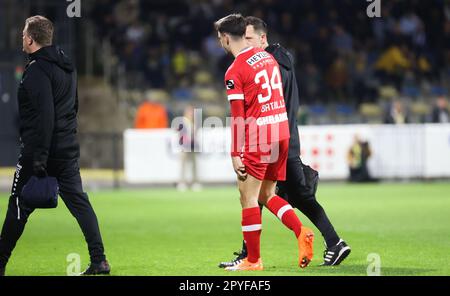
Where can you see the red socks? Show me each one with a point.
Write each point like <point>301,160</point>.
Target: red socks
<point>251,224</point>
<point>285,213</point>
<point>251,228</point>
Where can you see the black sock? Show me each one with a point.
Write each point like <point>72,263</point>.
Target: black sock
<point>244,247</point>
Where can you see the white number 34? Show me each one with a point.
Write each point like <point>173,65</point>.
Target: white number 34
<point>269,85</point>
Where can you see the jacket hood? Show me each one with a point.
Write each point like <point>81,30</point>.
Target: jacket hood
<point>283,57</point>
<point>54,54</point>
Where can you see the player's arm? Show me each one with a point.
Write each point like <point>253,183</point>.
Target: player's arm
<point>237,136</point>
<point>237,127</point>
<point>236,97</point>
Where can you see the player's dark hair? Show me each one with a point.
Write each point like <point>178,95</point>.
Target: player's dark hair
<point>40,29</point>
<point>257,23</point>
<point>233,24</point>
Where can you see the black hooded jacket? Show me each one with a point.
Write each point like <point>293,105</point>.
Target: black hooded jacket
<point>290,91</point>
<point>48,107</point>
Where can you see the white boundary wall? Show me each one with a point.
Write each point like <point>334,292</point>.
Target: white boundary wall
<point>402,151</point>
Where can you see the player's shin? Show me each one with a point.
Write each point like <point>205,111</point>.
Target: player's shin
<point>251,229</point>
<point>283,210</point>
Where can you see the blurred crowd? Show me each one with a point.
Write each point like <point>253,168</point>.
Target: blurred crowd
<point>399,63</point>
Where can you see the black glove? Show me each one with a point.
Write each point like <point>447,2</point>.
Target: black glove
<point>39,169</point>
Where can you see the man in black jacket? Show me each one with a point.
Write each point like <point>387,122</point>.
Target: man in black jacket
<point>301,181</point>
<point>48,106</point>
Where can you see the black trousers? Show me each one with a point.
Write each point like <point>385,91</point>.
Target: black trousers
<point>67,173</point>
<point>360,174</point>
<point>293,190</point>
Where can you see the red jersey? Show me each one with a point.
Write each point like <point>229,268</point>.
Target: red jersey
<point>254,77</point>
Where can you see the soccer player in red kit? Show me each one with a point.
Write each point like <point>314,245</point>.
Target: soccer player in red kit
<point>260,140</point>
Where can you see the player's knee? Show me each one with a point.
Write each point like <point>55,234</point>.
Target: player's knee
<point>263,201</point>
<point>264,196</point>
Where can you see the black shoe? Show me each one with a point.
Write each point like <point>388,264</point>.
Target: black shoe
<point>2,271</point>
<point>336,254</point>
<point>239,256</point>
<point>97,268</point>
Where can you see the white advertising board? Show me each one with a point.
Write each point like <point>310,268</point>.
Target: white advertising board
<point>402,151</point>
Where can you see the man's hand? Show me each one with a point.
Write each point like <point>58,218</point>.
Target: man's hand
<point>239,168</point>
<point>39,169</point>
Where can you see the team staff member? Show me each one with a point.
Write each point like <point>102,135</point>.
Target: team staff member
<point>48,107</point>
<point>260,140</point>
<point>299,186</point>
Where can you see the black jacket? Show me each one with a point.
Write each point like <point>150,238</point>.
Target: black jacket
<point>290,91</point>
<point>48,106</point>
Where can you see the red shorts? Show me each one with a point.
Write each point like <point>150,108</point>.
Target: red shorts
<point>267,163</point>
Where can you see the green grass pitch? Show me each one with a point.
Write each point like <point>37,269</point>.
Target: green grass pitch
<point>165,232</point>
